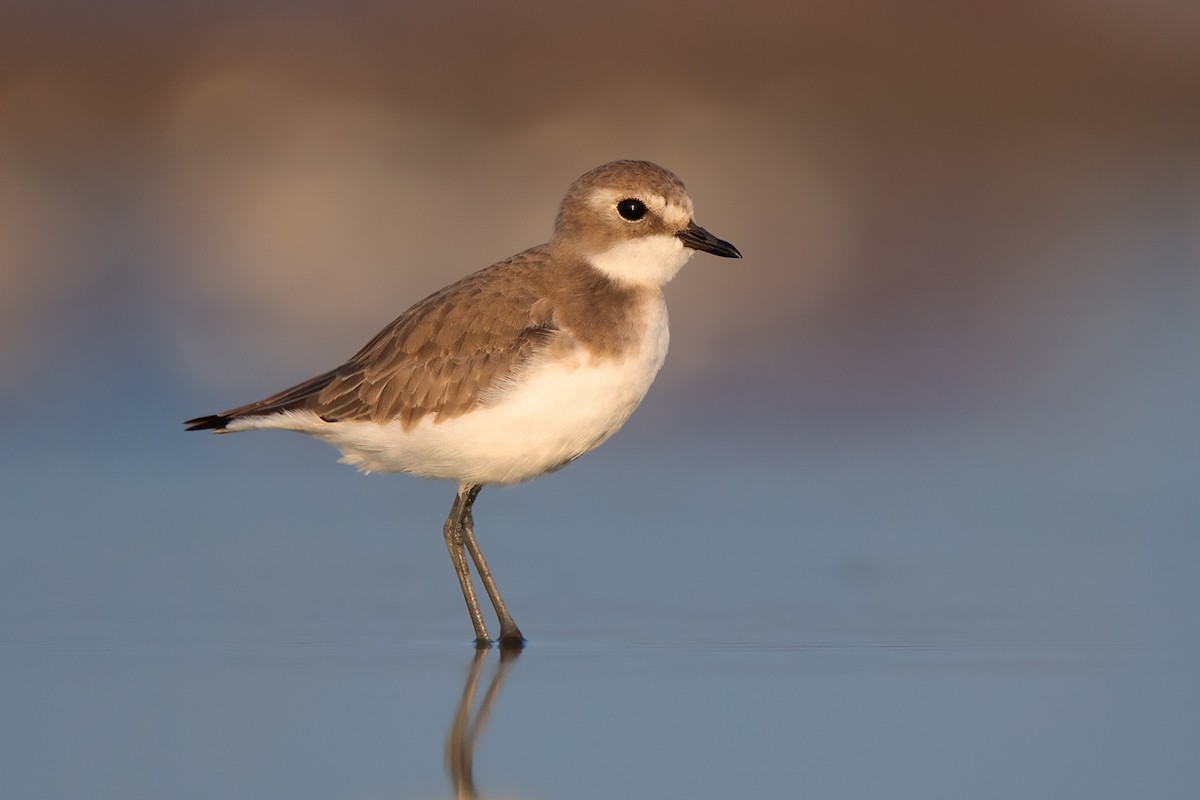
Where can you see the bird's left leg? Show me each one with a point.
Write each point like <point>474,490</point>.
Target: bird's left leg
<point>453,532</point>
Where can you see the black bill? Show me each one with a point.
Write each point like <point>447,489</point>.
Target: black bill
<point>697,238</point>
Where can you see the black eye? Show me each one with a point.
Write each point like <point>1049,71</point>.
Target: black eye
<point>631,209</point>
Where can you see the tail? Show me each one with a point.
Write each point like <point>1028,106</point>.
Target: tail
<point>288,400</point>
<point>213,422</point>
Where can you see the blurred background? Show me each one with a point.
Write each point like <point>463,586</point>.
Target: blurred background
<point>968,307</point>
<point>949,394</point>
<point>971,245</point>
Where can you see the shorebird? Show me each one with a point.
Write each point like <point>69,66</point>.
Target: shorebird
<point>515,370</point>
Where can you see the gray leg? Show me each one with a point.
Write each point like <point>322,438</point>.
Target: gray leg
<point>510,634</point>
<point>453,532</point>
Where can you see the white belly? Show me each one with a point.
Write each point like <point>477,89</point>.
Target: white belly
<point>560,410</point>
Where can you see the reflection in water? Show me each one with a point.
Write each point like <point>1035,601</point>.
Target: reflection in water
<point>460,744</point>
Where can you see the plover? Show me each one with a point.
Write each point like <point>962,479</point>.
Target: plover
<point>513,371</point>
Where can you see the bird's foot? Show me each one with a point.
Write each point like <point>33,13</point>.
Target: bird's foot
<point>511,638</point>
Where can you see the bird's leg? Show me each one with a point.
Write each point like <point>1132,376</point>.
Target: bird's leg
<point>454,543</point>
<point>510,634</point>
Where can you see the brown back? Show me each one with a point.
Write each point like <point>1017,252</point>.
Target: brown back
<point>463,345</point>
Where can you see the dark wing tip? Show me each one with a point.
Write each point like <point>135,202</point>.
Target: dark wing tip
<point>213,422</point>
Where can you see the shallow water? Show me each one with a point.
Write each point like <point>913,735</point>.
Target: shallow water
<point>240,617</point>
<point>328,713</point>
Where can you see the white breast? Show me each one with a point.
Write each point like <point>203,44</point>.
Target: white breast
<point>558,411</point>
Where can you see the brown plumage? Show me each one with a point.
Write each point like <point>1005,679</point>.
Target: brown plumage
<point>460,346</point>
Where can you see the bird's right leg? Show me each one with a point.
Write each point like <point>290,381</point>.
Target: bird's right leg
<point>510,634</point>
<point>453,532</point>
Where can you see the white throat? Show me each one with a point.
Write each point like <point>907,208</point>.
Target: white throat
<point>645,261</point>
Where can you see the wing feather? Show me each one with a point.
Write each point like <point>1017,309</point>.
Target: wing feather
<point>441,357</point>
